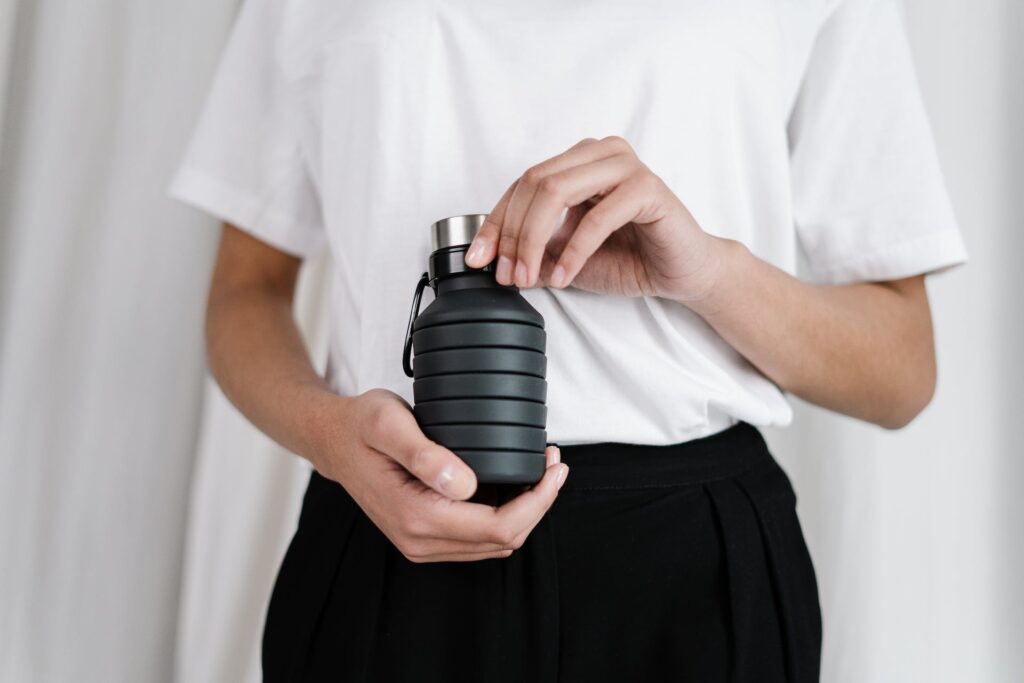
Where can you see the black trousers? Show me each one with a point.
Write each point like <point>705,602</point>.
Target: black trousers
<point>656,563</point>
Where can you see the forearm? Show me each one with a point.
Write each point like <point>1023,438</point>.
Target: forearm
<point>863,349</point>
<point>258,357</point>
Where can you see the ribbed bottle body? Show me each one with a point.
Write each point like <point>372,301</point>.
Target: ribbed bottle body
<point>479,380</point>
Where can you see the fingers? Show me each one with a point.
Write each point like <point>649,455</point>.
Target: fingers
<point>508,525</point>
<point>430,520</point>
<point>556,192</point>
<point>526,511</point>
<point>458,530</point>
<point>552,456</point>
<point>582,152</point>
<point>484,246</point>
<point>542,181</point>
<point>508,222</point>
<point>554,247</point>
<point>622,206</point>
<point>395,433</point>
<point>464,557</point>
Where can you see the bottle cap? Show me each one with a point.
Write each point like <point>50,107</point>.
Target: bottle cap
<point>455,231</point>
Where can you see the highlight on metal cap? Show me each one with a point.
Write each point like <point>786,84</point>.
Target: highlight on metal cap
<point>455,230</point>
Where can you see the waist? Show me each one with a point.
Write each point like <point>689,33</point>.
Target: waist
<point>608,465</point>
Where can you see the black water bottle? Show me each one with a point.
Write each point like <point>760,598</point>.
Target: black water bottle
<point>479,366</point>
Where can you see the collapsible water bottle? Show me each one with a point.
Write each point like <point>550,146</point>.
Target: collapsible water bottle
<point>479,366</point>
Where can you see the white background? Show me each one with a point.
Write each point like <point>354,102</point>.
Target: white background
<point>141,521</point>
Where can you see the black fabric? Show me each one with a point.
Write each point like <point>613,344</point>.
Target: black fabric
<point>656,563</point>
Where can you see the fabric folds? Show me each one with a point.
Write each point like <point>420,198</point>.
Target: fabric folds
<point>681,562</point>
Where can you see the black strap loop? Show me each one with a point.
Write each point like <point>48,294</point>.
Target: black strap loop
<point>407,351</point>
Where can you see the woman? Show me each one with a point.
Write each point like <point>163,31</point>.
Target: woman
<point>659,166</point>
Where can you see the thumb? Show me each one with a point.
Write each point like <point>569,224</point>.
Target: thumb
<point>428,461</point>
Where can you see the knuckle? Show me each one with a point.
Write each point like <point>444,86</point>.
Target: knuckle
<point>380,418</point>
<point>374,394</point>
<point>411,526</point>
<point>551,185</point>
<point>490,228</point>
<point>534,175</point>
<point>530,241</point>
<point>507,247</point>
<point>412,551</point>
<point>509,237</point>
<point>571,253</point>
<point>419,461</point>
<point>504,536</point>
<point>648,181</point>
<point>617,142</point>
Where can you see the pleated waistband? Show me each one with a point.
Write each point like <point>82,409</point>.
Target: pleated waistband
<point>608,466</point>
<point>348,606</point>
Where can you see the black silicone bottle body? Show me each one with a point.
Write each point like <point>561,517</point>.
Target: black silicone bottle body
<point>479,370</point>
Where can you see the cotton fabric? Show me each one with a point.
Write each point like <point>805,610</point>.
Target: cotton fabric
<point>682,562</point>
<point>355,124</point>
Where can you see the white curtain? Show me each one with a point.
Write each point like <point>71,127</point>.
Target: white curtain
<point>142,520</point>
<point>102,285</point>
<point>246,495</point>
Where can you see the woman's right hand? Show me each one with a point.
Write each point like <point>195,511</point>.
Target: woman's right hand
<point>415,490</point>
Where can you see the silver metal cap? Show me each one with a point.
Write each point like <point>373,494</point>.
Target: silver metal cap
<point>455,230</point>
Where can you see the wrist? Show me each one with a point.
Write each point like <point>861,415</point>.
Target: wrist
<point>712,286</point>
<point>325,423</point>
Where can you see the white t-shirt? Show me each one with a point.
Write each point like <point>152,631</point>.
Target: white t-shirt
<point>354,124</point>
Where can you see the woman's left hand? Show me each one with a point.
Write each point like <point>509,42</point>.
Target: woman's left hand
<point>625,232</point>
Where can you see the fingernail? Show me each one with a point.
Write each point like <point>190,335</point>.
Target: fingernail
<point>504,272</point>
<point>451,484</point>
<point>445,479</point>
<point>558,276</point>
<point>476,252</point>
<point>562,472</point>
<point>558,454</point>
<point>521,274</point>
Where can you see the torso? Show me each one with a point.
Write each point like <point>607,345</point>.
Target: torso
<point>421,109</point>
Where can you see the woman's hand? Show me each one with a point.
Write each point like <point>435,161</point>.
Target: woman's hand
<point>624,233</point>
<point>414,490</point>
<point>863,349</point>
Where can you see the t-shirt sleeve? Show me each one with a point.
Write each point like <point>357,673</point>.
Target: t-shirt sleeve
<point>245,162</point>
<point>870,202</point>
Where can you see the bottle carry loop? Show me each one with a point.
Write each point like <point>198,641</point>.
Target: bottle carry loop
<point>416,297</point>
